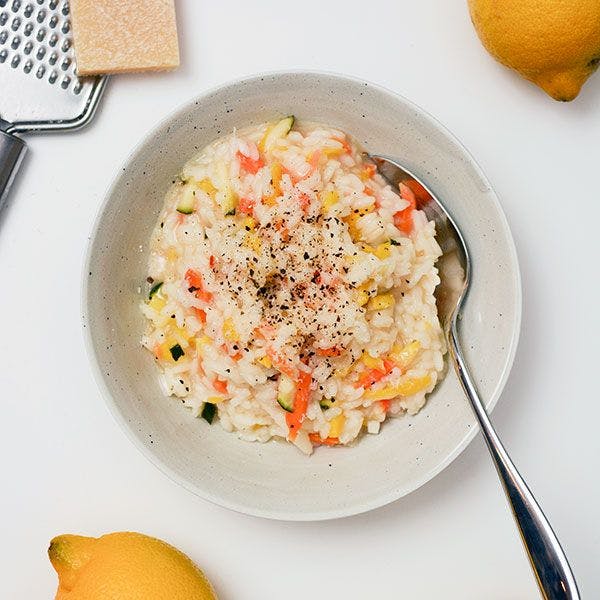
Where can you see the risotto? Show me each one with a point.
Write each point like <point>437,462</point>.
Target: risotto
<point>291,289</point>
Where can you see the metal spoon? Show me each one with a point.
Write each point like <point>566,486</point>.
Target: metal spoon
<point>551,568</point>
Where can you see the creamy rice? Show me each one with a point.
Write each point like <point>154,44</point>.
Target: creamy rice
<point>292,289</point>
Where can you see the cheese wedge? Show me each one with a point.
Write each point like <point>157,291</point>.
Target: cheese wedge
<point>121,36</point>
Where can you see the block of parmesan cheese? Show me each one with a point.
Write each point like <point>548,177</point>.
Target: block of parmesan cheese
<point>120,36</point>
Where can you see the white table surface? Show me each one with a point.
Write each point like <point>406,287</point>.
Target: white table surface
<point>66,465</point>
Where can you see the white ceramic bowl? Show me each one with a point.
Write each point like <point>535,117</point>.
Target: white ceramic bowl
<point>275,480</point>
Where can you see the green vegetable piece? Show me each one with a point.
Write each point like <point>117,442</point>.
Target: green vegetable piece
<point>154,289</point>
<point>326,403</point>
<point>394,242</point>
<point>176,352</point>
<point>208,412</point>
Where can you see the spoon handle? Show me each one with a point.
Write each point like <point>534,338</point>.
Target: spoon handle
<point>552,571</point>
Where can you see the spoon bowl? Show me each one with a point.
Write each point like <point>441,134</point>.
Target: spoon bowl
<point>548,560</point>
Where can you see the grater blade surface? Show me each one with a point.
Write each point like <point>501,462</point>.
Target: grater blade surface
<point>38,82</point>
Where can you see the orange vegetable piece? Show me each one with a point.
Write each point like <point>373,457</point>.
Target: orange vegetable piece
<point>294,419</point>
<point>248,164</point>
<point>220,386</point>
<point>316,439</point>
<point>196,285</point>
<point>246,206</point>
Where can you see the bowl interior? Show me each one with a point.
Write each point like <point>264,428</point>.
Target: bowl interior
<point>274,479</point>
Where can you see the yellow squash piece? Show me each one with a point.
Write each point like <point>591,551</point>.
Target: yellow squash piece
<point>123,566</point>
<point>336,426</point>
<point>406,387</point>
<point>206,186</point>
<point>381,302</point>
<point>329,199</point>
<point>403,356</point>
<point>229,331</point>
<point>252,241</point>
<point>371,362</point>
<point>265,361</point>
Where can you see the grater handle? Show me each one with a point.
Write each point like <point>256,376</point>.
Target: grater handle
<point>12,151</point>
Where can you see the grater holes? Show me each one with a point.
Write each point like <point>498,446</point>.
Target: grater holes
<point>16,41</point>
<point>41,16</point>
<point>28,66</point>
<point>52,40</point>
<point>3,55</point>
<point>3,18</point>
<point>66,81</point>
<point>40,72</point>
<point>66,63</point>
<point>27,48</point>
<point>28,11</point>
<point>16,23</point>
<point>66,26</point>
<point>66,45</point>
<point>3,3</point>
<point>53,76</point>
<point>40,1</point>
<point>65,9</point>
<point>16,5</point>
<point>16,59</point>
<point>3,37</point>
<point>53,58</point>
<point>41,34</point>
<point>28,29</point>
<point>40,53</point>
<point>53,4</point>
<point>53,21</point>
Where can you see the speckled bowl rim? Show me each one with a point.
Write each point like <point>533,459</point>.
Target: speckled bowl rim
<point>354,509</point>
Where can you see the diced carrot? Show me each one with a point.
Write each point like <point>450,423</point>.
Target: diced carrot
<point>403,220</point>
<point>246,205</point>
<point>385,404</point>
<point>368,378</point>
<point>211,261</point>
<point>316,439</point>
<point>200,314</point>
<point>313,160</point>
<point>248,164</point>
<point>369,191</point>
<point>294,419</point>
<point>219,385</point>
<point>407,194</point>
<point>333,351</point>
<point>422,196</point>
<point>368,171</point>
<point>281,364</point>
<point>196,285</point>
<point>304,200</point>
<point>345,143</point>
<point>235,355</point>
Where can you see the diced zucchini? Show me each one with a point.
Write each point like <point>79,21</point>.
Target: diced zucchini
<point>176,352</point>
<point>208,412</point>
<point>187,202</point>
<point>154,289</point>
<point>286,392</point>
<point>326,403</point>
<point>226,196</point>
<point>278,131</point>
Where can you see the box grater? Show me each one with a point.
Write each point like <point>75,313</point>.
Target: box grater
<point>39,88</point>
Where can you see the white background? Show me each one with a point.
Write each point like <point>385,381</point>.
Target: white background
<point>67,467</point>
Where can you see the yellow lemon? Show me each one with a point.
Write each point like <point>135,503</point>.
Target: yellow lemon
<point>124,566</point>
<point>553,43</point>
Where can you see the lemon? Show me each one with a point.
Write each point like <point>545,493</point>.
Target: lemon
<point>124,566</point>
<point>553,43</point>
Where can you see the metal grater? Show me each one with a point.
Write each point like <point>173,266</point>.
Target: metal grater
<point>39,88</point>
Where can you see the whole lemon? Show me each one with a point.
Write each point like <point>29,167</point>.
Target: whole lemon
<point>553,43</point>
<point>124,566</point>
